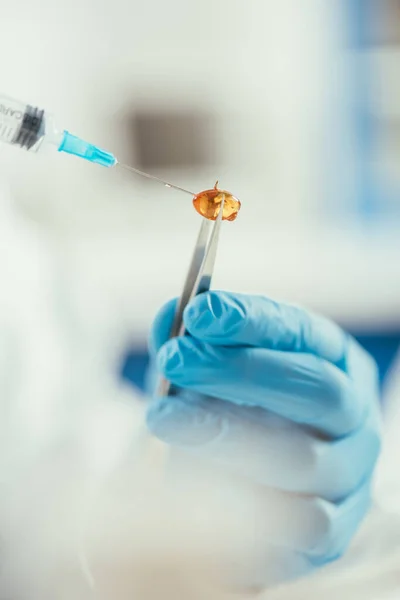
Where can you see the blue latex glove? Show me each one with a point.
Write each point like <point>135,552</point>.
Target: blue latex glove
<point>285,399</point>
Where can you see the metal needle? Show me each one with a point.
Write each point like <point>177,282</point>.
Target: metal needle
<point>165,183</point>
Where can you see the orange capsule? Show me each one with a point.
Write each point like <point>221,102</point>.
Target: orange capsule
<point>208,203</point>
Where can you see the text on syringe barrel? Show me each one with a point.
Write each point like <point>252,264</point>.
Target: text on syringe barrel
<point>21,124</point>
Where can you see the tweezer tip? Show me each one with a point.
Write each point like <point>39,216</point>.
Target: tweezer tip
<point>220,215</point>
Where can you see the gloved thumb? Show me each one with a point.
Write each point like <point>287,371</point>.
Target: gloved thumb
<point>184,420</point>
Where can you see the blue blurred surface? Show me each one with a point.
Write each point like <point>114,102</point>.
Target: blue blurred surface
<point>383,348</point>
<point>134,367</point>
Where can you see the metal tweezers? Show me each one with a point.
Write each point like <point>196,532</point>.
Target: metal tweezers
<point>198,280</point>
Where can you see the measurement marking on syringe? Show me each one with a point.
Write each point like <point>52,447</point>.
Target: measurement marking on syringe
<point>7,132</point>
<point>3,131</point>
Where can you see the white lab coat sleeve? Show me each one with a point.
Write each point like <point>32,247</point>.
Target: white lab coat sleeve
<point>66,422</point>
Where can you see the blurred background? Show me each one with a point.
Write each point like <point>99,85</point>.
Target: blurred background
<point>293,106</point>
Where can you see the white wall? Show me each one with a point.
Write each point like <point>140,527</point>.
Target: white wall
<point>263,68</point>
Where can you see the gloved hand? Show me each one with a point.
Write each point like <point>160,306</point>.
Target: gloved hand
<point>283,398</point>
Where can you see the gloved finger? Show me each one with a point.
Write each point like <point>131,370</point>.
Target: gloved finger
<point>309,525</point>
<point>161,328</point>
<point>242,320</point>
<point>342,521</point>
<point>318,529</point>
<point>300,387</point>
<point>238,319</point>
<point>310,528</point>
<point>264,448</point>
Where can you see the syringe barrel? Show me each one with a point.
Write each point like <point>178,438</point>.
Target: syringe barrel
<point>24,125</point>
<point>29,127</point>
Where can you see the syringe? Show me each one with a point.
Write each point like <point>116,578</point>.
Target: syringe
<point>31,128</point>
